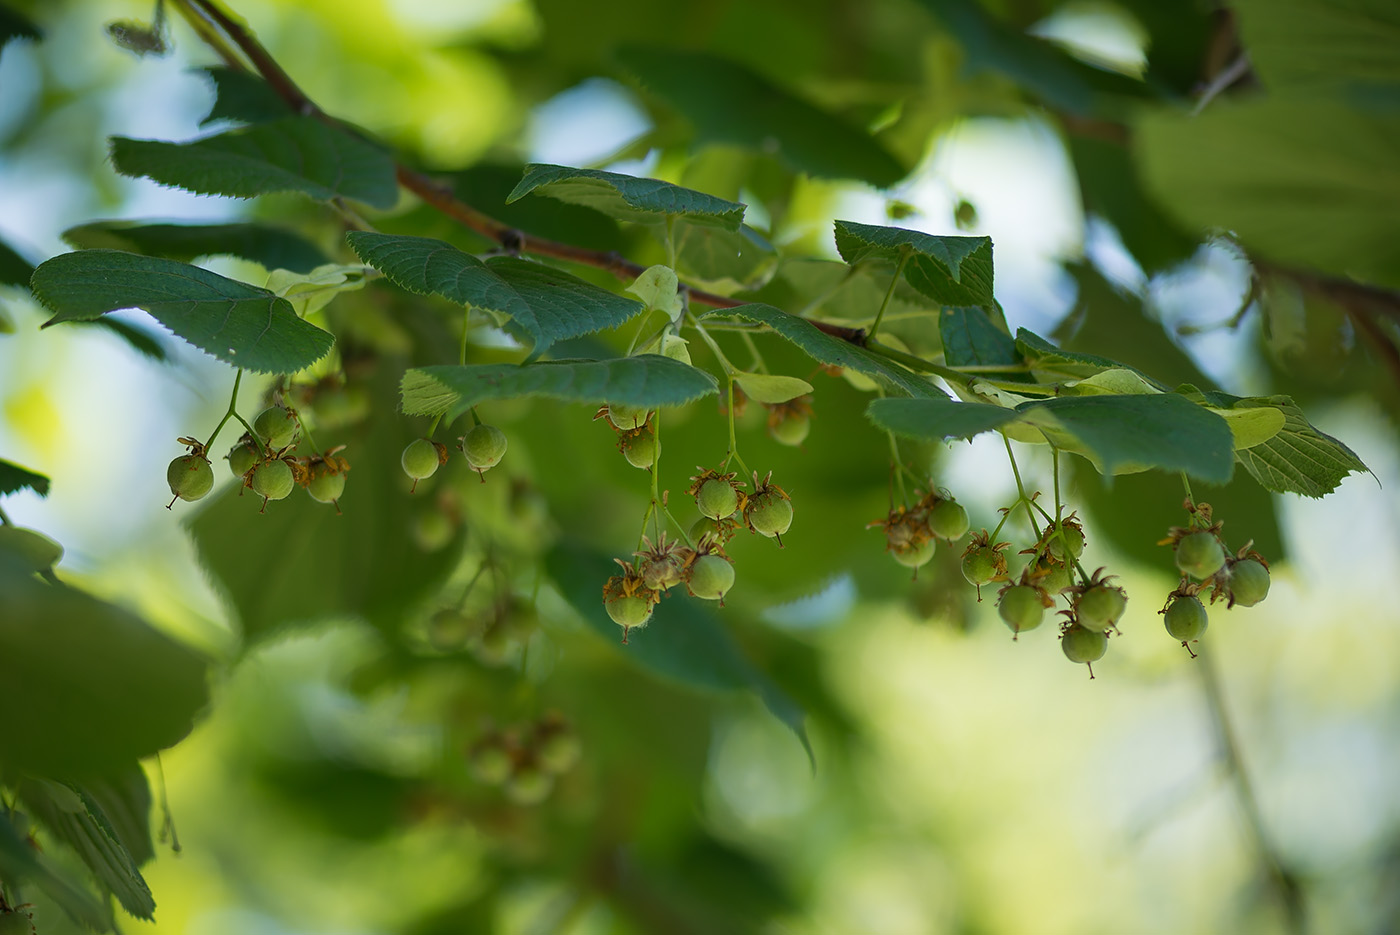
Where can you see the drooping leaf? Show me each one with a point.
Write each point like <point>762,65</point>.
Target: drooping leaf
<point>294,154</point>
<point>684,641</point>
<point>627,198</point>
<point>76,819</point>
<point>971,339</point>
<point>826,349</point>
<point>722,260</point>
<point>1295,457</point>
<point>646,380</point>
<point>937,419</point>
<point>20,862</point>
<point>538,302</point>
<point>99,687</point>
<point>729,103</point>
<point>15,270</point>
<point>273,247</point>
<point>14,478</point>
<point>953,271</point>
<point>771,388</point>
<point>240,324</point>
<point>366,563</point>
<point>243,97</point>
<point>124,796</point>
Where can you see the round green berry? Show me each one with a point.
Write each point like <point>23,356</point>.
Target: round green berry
<point>1100,607</point>
<point>484,446</point>
<point>706,526</point>
<point>711,577</point>
<point>914,555</point>
<point>1056,577</point>
<point>451,629</point>
<point>1186,618</point>
<point>273,480</point>
<point>420,459</point>
<point>641,450</point>
<point>627,417</point>
<point>1199,554</point>
<point>790,430</point>
<point>1084,646</point>
<point>1073,536</point>
<point>979,565</point>
<point>529,785</point>
<point>1248,583</point>
<point>242,458</point>
<point>16,922</point>
<point>717,498</point>
<point>769,514</point>
<point>948,520</point>
<point>558,750</point>
<point>490,762</point>
<point>1022,607</point>
<point>629,612</point>
<point>276,426</point>
<point>190,477</point>
<point>326,488</point>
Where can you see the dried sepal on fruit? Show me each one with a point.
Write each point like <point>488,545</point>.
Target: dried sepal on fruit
<point>624,418</point>
<point>243,456</point>
<point>1198,549</point>
<point>717,496</point>
<point>718,532</point>
<point>1096,604</point>
<point>273,480</point>
<point>277,427</point>
<point>983,561</point>
<point>664,563</point>
<point>1184,615</point>
<point>628,600</point>
<point>907,536</point>
<point>1062,541</point>
<point>1244,579</point>
<point>768,510</point>
<point>484,446</point>
<point>946,518</point>
<point>421,458</point>
<point>323,476</point>
<point>555,744</point>
<point>1022,606</point>
<point>190,477</point>
<point>790,422</point>
<point>639,446</point>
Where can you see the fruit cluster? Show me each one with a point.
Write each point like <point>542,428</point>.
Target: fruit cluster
<point>526,759</point>
<point>911,532</point>
<point>483,446</point>
<point>1207,565</point>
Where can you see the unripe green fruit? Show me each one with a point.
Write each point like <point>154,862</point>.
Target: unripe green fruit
<point>641,450</point>
<point>493,649</point>
<point>711,577</point>
<point>490,763</point>
<point>1100,607</point>
<point>276,427</point>
<point>33,549</point>
<point>1072,535</point>
<point>1056,579</point>
<point>326,488</point>
<point>1199,554</point>
<point>450,629</point>
<point>558,751</point>
<point>717,498</point>
<point>629,612</point>
<point>420,459</point>
<point>1249,583</point>
<point>948,520</point>
<point>979,565</point>
<point>273,480</point>
<point>705,526</point>
<point>627,417</point>
<point>1081,645</point>
<point>1186,618</point>
<point>432,530</point>
<point>242,459</point>
<point>1021,607</point>
<point>791,430</point>
<point>914,556</point>
<point>484,446</point>
<point>529,785</point>
<point>770,515</point>
<point>190,477</point>
<point>16,922</point>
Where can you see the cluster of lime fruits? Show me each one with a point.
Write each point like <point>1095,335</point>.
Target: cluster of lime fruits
<point>525,760</point>
<point>1207,565</point>
<point>264,462</point>
<point>484,446</point>
<point>492,634</point>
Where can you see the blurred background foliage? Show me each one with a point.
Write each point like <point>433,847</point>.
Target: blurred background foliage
<point>1207,191</point>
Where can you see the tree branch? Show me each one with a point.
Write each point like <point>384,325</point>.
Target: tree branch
<point>203,13</point>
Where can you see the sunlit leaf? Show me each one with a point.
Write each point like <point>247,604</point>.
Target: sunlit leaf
<point>771,388</point>
<point>627,198</point>
<point>240,324</point>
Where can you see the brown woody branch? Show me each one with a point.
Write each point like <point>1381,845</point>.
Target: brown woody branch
<point>203,13</point>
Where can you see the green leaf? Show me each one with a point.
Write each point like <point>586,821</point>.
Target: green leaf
<point>294,154</point>
<point>273,247</point>
<point>971,339</point>
<point>684,641</point>
<point>243,97</point>
<point>124,796</point>
<point>825,349</point>
<point>231,320</point>
<point>98,686</point>
<point>538,302</point>
<point>20,862</point>
<point>1321,45</point>
<point>30,549</point>
<point>953,271</point>
<point>771,388</point>
<point>722,260</point>
<point>15,270</point>
<point>1276,170</point>
<point>1131,433</point>
<point>627,198</point>
<point>300,563</point>
<point>937,419</point>
<point>729,103</point>
<point>658,287</point>
<point>14,26</point>
<point>645,380</point>
<point>1049,363</point>
<point>14,478</point>
<point>1296,458</point>
<point>76,819</point>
